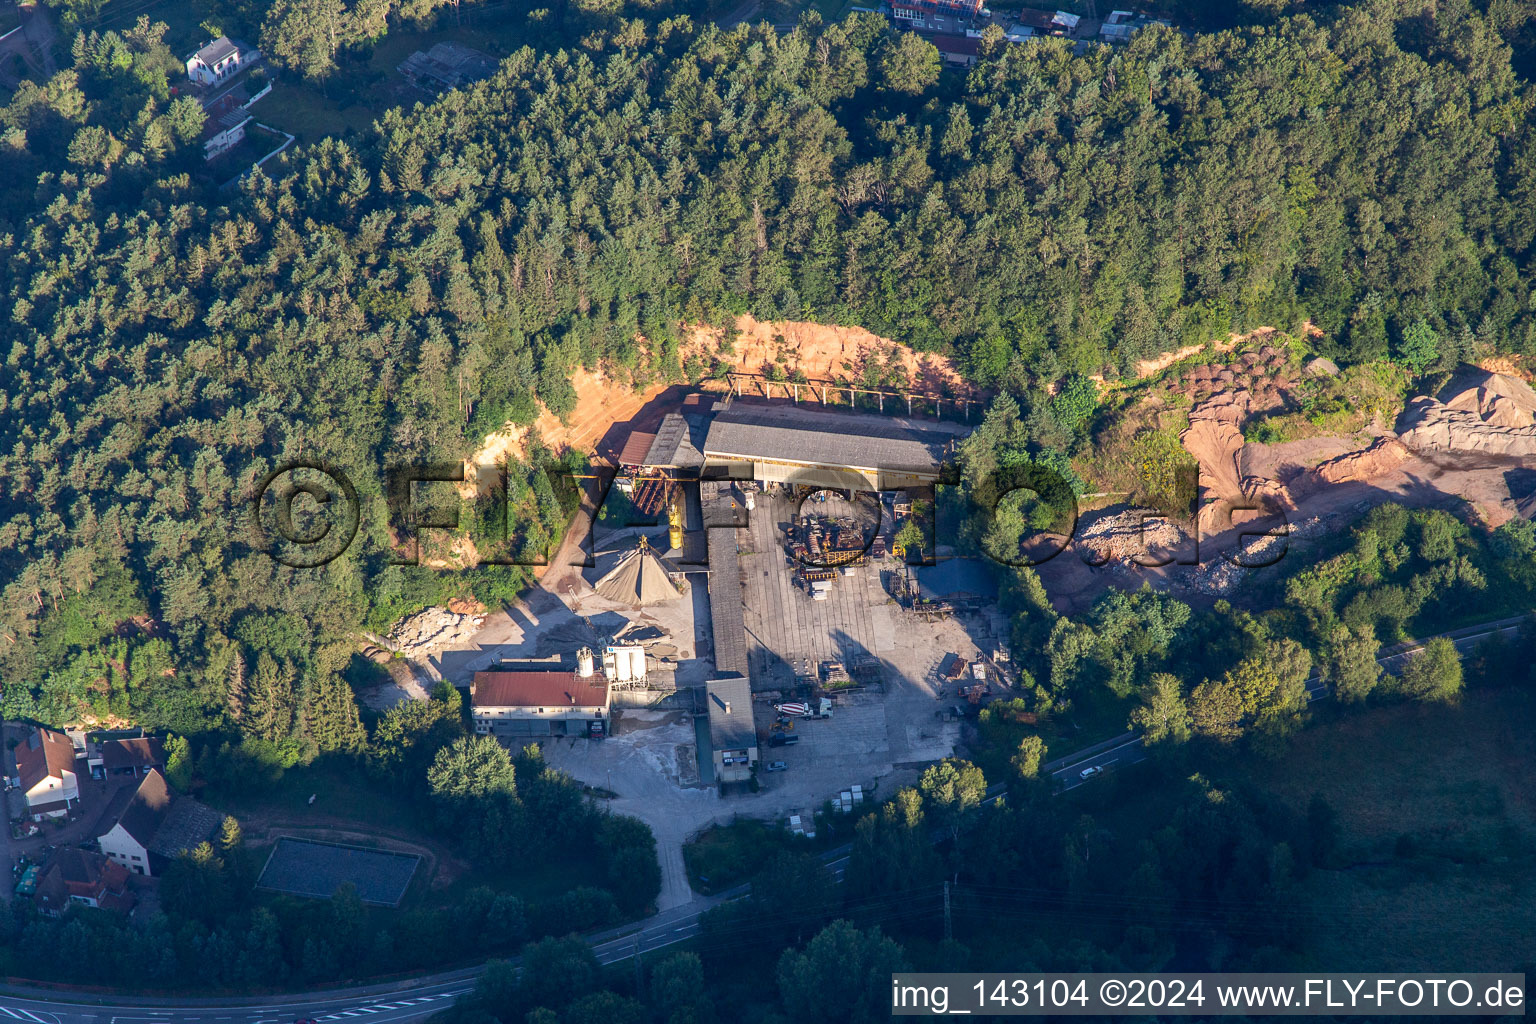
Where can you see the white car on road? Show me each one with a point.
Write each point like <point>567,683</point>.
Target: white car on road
<point>1089,773</point>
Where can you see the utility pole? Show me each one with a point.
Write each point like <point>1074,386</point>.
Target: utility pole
<point>948,931</point>
<point>639,973</point>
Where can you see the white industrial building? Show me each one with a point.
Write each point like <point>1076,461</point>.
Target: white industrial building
<point>533,705</point>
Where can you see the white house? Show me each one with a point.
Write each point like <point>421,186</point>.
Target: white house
<point>221,59</point>
<point>224,132</point>
<point>45,766</point>
<point>151,825</point>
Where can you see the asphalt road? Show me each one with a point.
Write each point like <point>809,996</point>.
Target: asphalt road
<point>404,1006</point>
<point>423,996</point>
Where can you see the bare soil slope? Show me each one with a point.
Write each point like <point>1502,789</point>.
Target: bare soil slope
<point>824,353</point>
<point>1478,411</point>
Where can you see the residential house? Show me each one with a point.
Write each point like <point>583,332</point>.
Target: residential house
<point>136,755</point>
<point>1121,25</point>
<point>447,66</point>
<point>221,60</point>
<point>537,705</point>
<point>732,735</point>
<point>919,11</point>
<point>962,50</point>
<point>45,769</point>
<point>224,132</point>
<point>151,825</point>
<point>81,877</point>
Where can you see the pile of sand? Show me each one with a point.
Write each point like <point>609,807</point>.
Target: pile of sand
<point>1496,397</point>
<point>1133,535</point>
<point>823,353</point>
<point>1478,411</point>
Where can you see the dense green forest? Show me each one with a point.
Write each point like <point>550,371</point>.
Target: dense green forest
<point>389,299</point>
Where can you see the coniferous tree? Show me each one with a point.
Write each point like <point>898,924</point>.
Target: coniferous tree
<point>329,717</point>
<point>270,713</point>
<point>235,696</point>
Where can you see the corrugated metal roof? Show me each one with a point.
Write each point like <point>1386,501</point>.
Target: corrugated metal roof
<point>673,447</point>
<point>844,440</point>
<point>537,690</point>
<point>725,613</point>
<point>186,824</point>
<point>635,448</point>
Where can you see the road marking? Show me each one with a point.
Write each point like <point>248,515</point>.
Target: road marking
<point>21,1014</point>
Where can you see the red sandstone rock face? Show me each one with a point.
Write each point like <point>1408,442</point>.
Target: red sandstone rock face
<point>1382,456</point>
<point>1487,413</point>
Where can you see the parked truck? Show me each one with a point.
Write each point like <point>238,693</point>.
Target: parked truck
<point>799,709</point>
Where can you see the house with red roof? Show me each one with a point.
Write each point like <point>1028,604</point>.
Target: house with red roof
<point>79,877</point>
<point>528,706</point>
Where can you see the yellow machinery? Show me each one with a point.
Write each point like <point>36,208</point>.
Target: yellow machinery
<point>675,518</point>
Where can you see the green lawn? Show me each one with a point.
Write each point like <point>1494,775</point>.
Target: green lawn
<point>308,114</point>
<point>311,112</point>
<point>342,794</point>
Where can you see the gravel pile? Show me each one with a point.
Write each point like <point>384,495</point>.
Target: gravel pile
<point>431,630</point>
